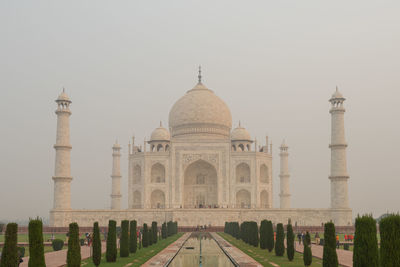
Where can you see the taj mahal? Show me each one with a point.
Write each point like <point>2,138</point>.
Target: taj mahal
<point>201,171</point>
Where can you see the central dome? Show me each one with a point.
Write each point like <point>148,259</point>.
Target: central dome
<point>200,112</point>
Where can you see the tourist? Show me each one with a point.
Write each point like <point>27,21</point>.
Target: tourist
<point>299,237</point>
<point>337,241</point>
<point>317,239</point>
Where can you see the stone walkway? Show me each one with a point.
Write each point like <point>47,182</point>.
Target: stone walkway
<point>236,254</point>
<point>345,257</point>
<point>59,258</point>
<point>167,253</point>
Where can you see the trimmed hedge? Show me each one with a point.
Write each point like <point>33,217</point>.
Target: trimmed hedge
<point>133,237</point>
<point>307,254</point>
<point>263,234</point>
<point>124,241</point>
<point>111,248</point>
<point>270,236</point>
<point>390,240</point>
<point>9,255</point>
<point>145,238</point>
<point>280,236</point>
<point>74,248</point>
<point>290,242</point>
<point>329,255</point>
<point>365,251</point>
<point>36,248</point>
<point>96,257</point>
<point>154,230</point>
<point>57,244</point>
<point>164,233</point>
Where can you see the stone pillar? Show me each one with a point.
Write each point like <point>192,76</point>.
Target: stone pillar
<point>339,176</point>
<point>116,178</point>
<point>62,172</point>
<point>284,177</point>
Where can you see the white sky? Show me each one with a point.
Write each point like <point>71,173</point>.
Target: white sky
<point>125,63</point>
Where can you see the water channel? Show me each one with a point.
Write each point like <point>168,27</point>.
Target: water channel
<point>200,249</point>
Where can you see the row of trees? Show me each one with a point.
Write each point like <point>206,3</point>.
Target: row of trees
<point>128,241</point>
<point>264,237</point>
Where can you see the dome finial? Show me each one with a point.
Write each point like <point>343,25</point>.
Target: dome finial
<point>63,89</point>
<point>240,124</point>
<point>199,76</point>
<point>160,123</point>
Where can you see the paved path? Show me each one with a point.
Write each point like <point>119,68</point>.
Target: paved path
<point>167,253</point>
<point>236,254</point>
<point>59,258</point>
<point>345,257</point>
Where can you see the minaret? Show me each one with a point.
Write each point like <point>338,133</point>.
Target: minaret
<point>116,178</point>
<point>62,172</point>
<point>284,176</point>
<point>339,176</point>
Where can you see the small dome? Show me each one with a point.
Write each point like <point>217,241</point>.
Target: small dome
<point>63,97</point>
<point>337,94</point>
<point>240,134</point>
<point>160,134</point>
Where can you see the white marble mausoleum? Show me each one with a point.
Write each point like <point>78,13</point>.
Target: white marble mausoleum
<point>199,171</point>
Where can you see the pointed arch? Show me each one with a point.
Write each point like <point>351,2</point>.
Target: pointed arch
<point>157,199</point>
<point>243,173</point>
<point>264,174</point>
<point>264,199</point>
<point>243,199</point>
<point>157,173</point>
<point>137,174</point>
<point>137,200</point>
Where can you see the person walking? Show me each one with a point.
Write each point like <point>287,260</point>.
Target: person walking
<point>317,239</point>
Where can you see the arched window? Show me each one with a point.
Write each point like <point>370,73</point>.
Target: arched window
<point>157,173</point>
<point>264,200</point>
<point>157,199</point>
<point>160,147</point>
<point>264,174</point>
<point>243,199</point>
<point>137,174</point>
<point>137,200</point>
<point>243,173</point>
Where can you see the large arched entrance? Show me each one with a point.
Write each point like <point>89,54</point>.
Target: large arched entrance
<point>200,185</point>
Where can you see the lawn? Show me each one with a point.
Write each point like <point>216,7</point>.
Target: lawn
<point>140,257</point>
<point>46,249</point>
<point>46,237</point>
<point>266,258</point>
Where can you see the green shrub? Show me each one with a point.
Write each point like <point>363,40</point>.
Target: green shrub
<point>36,248</point>
<point>154,230</point>
<point>290,242</point>
<point>133,237</point>
<point>74,249</point>
<point>280,236</point>
<point>9,256</point>
<point>329,255</point>
<point>164,231</point>
<point>390,241</point>
<point>57,244</point>
<point>82,241</point>
<point>145,238</point>
<point>96,257</point>
<point>347,247</point>
<point>365,251</point>
<point>254,234</point>
<point>263,234</point>
<point>21,252</point>
<point>307,254</point>
<point>111,248</point>
<point>124,241</point>
<point>270,236</point>
<point>170,227</point>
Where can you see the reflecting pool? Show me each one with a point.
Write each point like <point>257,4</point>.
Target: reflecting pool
<point>211,253</point>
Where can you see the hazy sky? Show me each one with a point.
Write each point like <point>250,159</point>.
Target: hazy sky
<point>125,63</point>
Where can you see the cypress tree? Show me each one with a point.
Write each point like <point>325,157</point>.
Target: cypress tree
<point>96,257</point>
<point>329,255</point>
<point>124,242</point>
<point>263,234</point>
<point>111,248</point>
<point>280,236</point>
<point>164,231</point>
<point>133,237</point>
<point>154,230</point>
<point>9,255</point>
<point>270,236</point>
<point>290,242</point>
<point>169,228</point>
<point>307,254</point>
<point>150,236</point>
<point>390,240</point>
<point>254,233</point>
<point>36,248</point>
<point>145,241</point>
<point>74,246</point>
<point>365,251</point>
